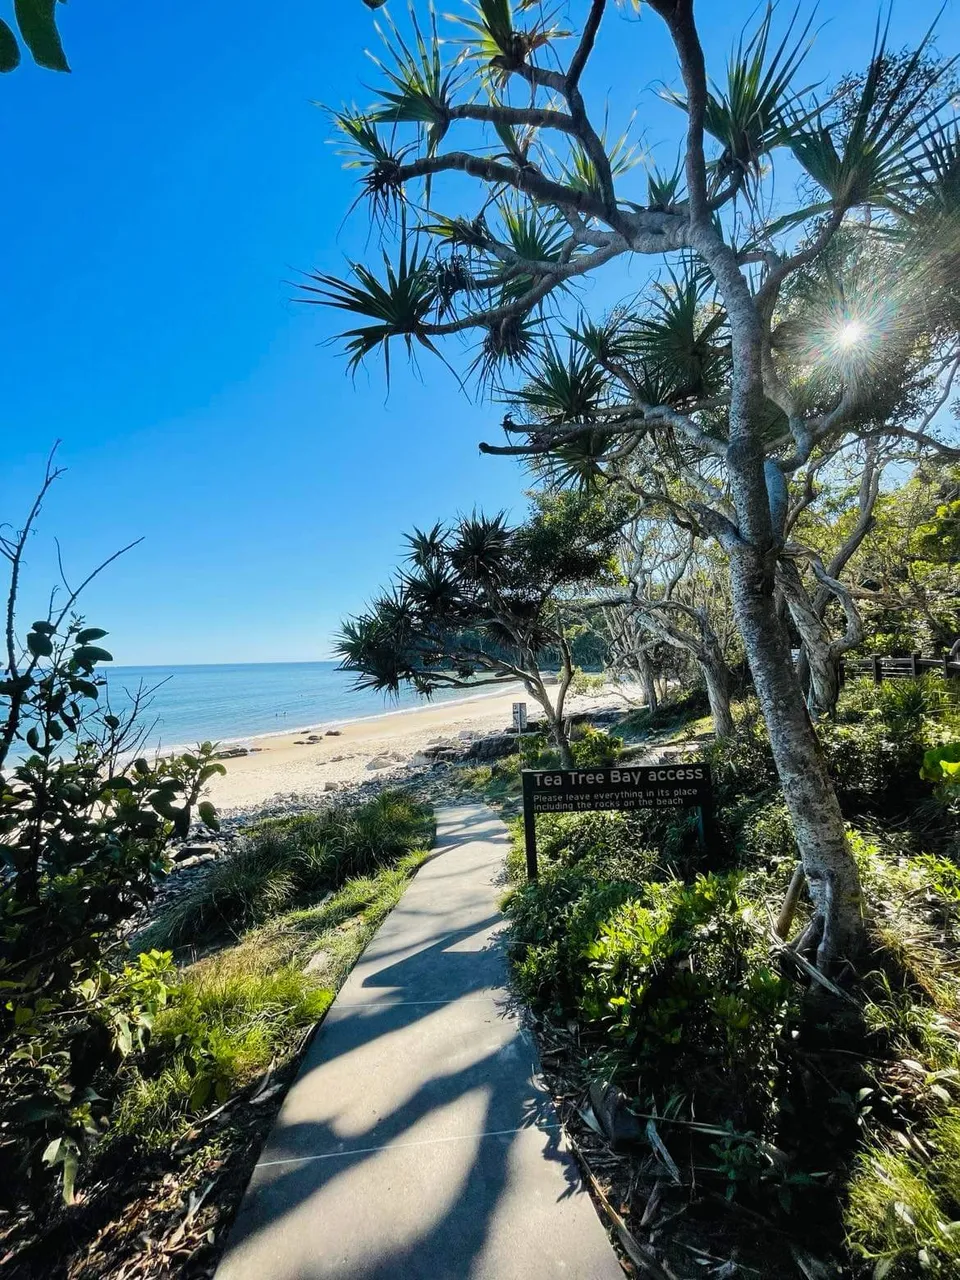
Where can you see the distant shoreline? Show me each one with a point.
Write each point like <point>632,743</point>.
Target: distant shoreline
<point>514,689</point>
<point>286,766</point>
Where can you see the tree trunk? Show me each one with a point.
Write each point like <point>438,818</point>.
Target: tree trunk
<point>717,678</point>
<point>817,822</point>
<point>645,668</point>
<point>821,669</point>
<point>538,690</point>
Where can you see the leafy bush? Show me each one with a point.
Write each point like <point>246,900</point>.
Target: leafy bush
<point>64,1054</point>
<point>285,860</point>
<point>553,921</point>
<point>671,973</point>
<point>941,765</point>
<point>84,824</point>
<point>610,846</point>
<point>875,750</point>
<point>677,974</point>
<point>593,748</point>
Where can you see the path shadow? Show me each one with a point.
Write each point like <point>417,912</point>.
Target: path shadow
<point>445,1190</point>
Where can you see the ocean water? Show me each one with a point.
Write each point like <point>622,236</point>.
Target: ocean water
<point>236,701</point>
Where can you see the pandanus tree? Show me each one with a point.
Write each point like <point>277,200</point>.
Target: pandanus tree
<point>485,603</point>
<point>692,379</point>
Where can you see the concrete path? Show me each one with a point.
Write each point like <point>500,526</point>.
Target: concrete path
<point>415,1144</point>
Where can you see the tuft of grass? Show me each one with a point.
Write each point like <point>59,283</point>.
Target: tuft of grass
<point>286,861</point>
<point>221,1029</point>
<point>898,1217</point>
<point>231,1015</point>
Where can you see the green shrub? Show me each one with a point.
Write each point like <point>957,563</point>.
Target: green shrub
<point>678,975</point>
<point>876,748</point>
<point>609,846</point>
<point>62,1074</point>
<point>553,921</point>
<point>593,748</point>
<point>671,974</point>
<point>941,765</point>
<point>286,860</point>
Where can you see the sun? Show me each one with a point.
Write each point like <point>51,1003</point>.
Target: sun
<point>851,335</point>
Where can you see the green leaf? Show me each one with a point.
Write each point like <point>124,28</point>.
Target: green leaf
<point>38,26</point>
<point>40,645</point>
<point>52,1151</point>
<point>88,655</point>
<point>208,815</point>
<point>45,628</point>
<point>200,1092</point>
<point>33,739</point>
<point>9,49</point>
<point>70,1162</point>
<point>90,634</point>
<point>112,722</point>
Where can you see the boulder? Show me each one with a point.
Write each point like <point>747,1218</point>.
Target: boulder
<point>332,733</point>
<point>314,737</point>
<point>228,753</point>
<point>331,786</point>
<point>380,762</point>
<point>494,747</point>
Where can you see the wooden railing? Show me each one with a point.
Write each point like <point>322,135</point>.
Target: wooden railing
<point>908,667</point>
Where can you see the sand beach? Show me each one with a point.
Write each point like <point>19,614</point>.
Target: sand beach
<point>342,755</point>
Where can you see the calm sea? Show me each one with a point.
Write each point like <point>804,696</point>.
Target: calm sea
<point>240,700</point>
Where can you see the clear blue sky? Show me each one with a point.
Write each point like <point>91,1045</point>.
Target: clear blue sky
<point>158,202</point>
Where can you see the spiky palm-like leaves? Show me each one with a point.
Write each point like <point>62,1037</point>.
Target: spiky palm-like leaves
<point>363,148</point>
<point>579,172</point>
<point>497,41</point>
<point>481,600</point>
<point>399,304</point>
<point>419,89</point>
<point>480,548</point>
<point>747,116</point>
<point>679,339</point>
<point>562,389</point>
<point>882,140</point>
<point>507,344</point>
<point>426,547</point>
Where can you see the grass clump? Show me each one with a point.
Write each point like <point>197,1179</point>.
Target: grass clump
<point>903,1213</point>
<point>222,1027</point>
<point>286,861</point>
<point>231,1015</point>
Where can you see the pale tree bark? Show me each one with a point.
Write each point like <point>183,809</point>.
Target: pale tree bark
<point>647,679</point>
<point>818,826</point>
<point>821,651</point>
<point>553,708</point>
<point>753,544</point>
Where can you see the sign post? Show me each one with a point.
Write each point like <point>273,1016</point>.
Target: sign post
<point>661,787</point>
<point>519,721</point>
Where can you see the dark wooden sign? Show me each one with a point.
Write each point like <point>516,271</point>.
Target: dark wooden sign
<point>618,787</point>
